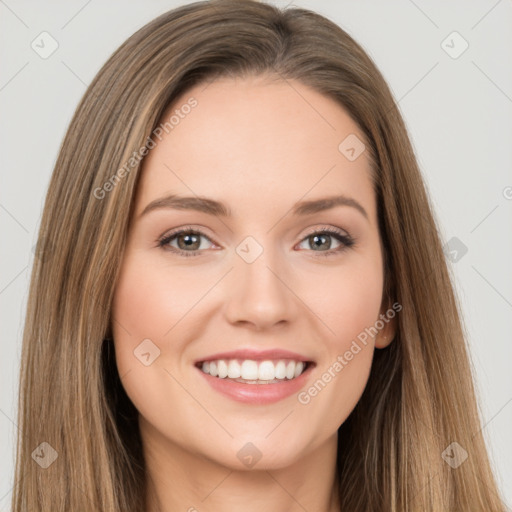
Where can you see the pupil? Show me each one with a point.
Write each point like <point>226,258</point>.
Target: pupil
<point>320,237</point>
<point>188,240</point>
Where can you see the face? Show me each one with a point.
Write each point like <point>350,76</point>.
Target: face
<point>260,277</point>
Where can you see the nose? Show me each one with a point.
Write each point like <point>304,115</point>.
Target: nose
<point>260,293</point>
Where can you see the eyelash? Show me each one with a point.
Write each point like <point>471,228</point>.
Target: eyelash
<point>346,240</point>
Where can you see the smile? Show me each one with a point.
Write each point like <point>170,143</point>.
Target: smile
<point>249,371</point>
<point>256,382</point>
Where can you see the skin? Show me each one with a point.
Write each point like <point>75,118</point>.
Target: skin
<point>259,146</point>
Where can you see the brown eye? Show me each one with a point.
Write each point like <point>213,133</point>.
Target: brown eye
<point>188,242</point>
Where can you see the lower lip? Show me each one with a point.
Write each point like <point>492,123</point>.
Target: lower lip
<point>258,393</point>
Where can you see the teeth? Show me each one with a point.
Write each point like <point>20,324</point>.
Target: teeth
<point>249,370</point>
<point>290,370</point>
<point>254,371</point>
<point>280,371</point>
<point>266,371</point>
<point>234,370</point>
<point>222,369</point>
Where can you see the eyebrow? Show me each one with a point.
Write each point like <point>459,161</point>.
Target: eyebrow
<point>218,209</point>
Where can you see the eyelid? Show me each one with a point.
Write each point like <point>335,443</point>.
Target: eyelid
<point>346,240</point>
<point>326,228</point>
<point>342,236</point>
<point>199,231</point>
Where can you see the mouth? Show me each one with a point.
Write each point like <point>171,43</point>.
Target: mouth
<point>256,377</point>
<point>253,371</point>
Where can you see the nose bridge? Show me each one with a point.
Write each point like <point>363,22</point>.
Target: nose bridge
<point>258,293</point>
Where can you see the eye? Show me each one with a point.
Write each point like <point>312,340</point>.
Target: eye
<point>188,241</point>
<point>323,239</point>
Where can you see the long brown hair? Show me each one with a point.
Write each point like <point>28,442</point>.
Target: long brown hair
<point>420,396</point>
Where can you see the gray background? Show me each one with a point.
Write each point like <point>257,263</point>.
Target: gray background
<point>458,112</point>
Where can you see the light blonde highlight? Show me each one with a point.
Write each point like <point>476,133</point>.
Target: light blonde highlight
<point>420,395</point>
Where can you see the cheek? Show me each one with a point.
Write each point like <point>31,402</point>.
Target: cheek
<point>144,309</point>
<point>146,306</point>
<point>347,303</point>
<point>151,299</point>
<point>346,300</point>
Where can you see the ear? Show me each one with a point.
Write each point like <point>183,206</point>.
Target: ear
<point>388,317</point>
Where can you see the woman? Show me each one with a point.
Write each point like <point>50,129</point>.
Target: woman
<point>265,373</point>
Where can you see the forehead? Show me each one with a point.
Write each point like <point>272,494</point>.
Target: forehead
<point>256,141</point>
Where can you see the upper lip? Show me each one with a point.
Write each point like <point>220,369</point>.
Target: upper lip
<point>257,355</point>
